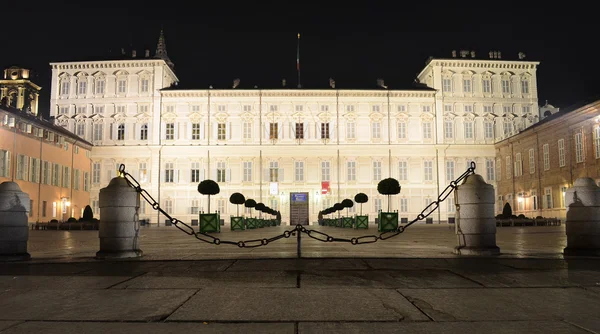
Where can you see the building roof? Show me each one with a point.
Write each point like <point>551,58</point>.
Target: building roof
<point>44,123</point>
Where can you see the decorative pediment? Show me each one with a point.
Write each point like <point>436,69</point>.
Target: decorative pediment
<point>169,116</point>
<point>272,115</point>
<point>351,116</point>
<point>247,116</point>
<point>426,116</point>
<point>81,74</point>
<point>376,116</point>
<point>142,117</point>
<point>195,117</point>
<point>62,121</point>
<point>469,116</point>
<point>449,117</point>
<point>143,73</point>
<point>297,115</point>
<point>79,117</point>
<point>64,75</point>
<point>62,118</point>
<point>507,73</point>
<point>120,72</point>
<point>402,116</point>
<point>119,115</point>
<point>221,117</point>
<point>324,116</point>
<point>448,73</point>
<point>468,72</point>
<point>99,74</point>
<point>525,76</point>
<point>487,74</point>
<point>97,118</point>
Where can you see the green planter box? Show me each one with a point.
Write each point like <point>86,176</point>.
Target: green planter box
<point>209,222</point>
<point>338,222</point>
<point>362,222</point>
<point>348,222</point>
<point>261,223</point>
<point>388,221</point>
<point>237,223</point>
<point>251,223</point>
<point>273,222</point>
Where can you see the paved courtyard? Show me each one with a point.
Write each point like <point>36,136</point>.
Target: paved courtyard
<point>411,283</point>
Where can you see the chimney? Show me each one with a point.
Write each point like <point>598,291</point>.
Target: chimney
<point>236,83</point>
<point>122,51</point>
<point>283,82</point>
<point>472,54</point>
<point>147,55</point>
<point>464,53</point>
<point>380,83</point>
<point>453,53</point>
<point>499,54</point>
<point>491,54</point>
<point>331,83</point>
<point>133,54</point>
<point>521,55</point>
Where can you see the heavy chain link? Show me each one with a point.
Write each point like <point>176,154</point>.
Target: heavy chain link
<point>187,229</point>
<point>428,210</point>
<point>317,235</point>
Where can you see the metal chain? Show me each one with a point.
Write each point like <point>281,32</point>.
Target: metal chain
<point>190,230</point>
<point>428,210</point>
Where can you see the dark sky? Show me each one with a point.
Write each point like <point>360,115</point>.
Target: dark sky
<point>214,44</point>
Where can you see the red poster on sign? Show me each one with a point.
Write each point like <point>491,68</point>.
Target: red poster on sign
<point>324,187</point>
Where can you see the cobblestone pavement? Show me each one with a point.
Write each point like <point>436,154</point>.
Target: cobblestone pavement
<point>411,283</point>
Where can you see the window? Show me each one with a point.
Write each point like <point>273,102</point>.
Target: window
<point>81,110</point>
<point>579,157</point>
<point>76,179</point>
<point>489,167</point>
<point>505,86</point>
<point>221,131</point>
<point>531,161</point>
<point>299,131</point>
<point>507,128</point>
<point>144,132</point>
<point>143,170</point>
<point>221,172</point>
<point>80,129</point>
<point>323,108</point>
<point>508,167</point>
<point>448,108</point>
<point>273,108</point>
<point>376,130</point>
<point>401,108</point>
<point>449,171</point>
<point>428,170</point>
<point>64,88</point>
<point>351,170</point>
<point>247,130</point>
<point>325,171</point>
<point>99,109</point>
<point>98,129</point>
<point>534,199</point>
<point>525,87</point>
<point>100,84</point>
<point>195,131</point>
<point>223,108</point>
<point>194,207</point>
<point>451,205</point>
<point>299,171</point>
<point>548,198</point>
<point>273,171</point>
<point>56,175</point>
<point>121,132</point>
<point>448,129</point>
<point>46,172</point>
<point>34,171</point>
<point>468,109</point>
<point>446,85</point>
<point>273,130</point>
<point>4,163</point>
<point>376,108</point>
<point>487,86</point>
<point>467,85</point>
<point>144,85</point>
<point>518,165</point>
<point>169,173</point>
<point>96,173</point>
<point>546,153</point>
<point>597,141</point>
<point>195,172</point>
<point>82,86</point>
<point>325,130</point>
<point>169,206</point>
<point>469,130</point>
<point>404,205</point>
<point>376,170</point>
<point>22,167</point>
<point>350,108</point>
<point>488,130</point>
<point>170,131</point>
<point>350,130</point>
<point>402,170</point>
<point>122,86</point>
<point>526,110</point>
<point>66,177</point>
<point>426,130</point>
<point>561,152</point>
<point>377,204</point>
<point>402,130</point>
<point>247,171</point>
<point>563,192</point>
<point>498,169</point>
<point>426,109</point>
<point>63,110</point>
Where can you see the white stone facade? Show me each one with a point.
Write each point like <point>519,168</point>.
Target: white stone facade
<point>171,139</point>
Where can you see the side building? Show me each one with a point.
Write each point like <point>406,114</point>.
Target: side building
<point>267,142</point>
<point>537,166</point>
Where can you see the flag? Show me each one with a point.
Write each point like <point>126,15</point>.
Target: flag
<point>298,54</point>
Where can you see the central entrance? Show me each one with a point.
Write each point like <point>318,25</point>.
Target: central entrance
<point>299,208</point>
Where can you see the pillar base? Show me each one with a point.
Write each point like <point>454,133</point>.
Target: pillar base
<point>571,251</point>
<point>104,255</point>
<point>481,251</point>
<point>15,257</point>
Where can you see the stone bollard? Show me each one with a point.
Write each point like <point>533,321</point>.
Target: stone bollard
<point>475,221</point>
<point>119,225</point>
<point>14,226</point>
<point>583,218</point>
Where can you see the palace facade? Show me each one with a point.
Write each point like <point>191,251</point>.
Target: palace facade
<point>267,142</point>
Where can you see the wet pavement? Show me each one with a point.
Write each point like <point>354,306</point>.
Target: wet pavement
<point>412,283</point>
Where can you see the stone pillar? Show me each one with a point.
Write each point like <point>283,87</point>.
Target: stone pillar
<point>583,218</point>
<point>119,225</point>
<point>14,227</point>
<point>475,221</point>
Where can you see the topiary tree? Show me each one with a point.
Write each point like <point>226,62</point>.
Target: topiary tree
<point>389,186</point>
<point>250,203</point>
<point>237,199</point>
<point>338,207</point>
<point>361,198</point>
<point>260,207</point>
<point>347,203</point>
<point>208,187</point>
<point>88,215</point>
<point>506,211</point>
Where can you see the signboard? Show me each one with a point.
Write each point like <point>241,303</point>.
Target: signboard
<point>299,197</point>
<point>273,188</point>
<point>325,187</point>
<point>299,208</point>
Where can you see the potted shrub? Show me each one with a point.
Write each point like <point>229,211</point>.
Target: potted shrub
<point>338,207</point>
<point>361,221</point>
<point>388,221</point>
<point>87,218</point>
<point>237,222</point>
<point>250,222</point>
<point>209,222</point>
<point>260,207</point>
<point>348,221</point>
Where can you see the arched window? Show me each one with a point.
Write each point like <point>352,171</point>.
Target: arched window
<point>121,132</point>
<point>144,132</point>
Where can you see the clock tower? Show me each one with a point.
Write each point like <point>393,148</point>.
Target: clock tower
<point>17,91</point>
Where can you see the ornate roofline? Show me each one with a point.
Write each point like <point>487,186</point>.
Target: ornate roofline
<point>479,63</point>
<point>295,93</point>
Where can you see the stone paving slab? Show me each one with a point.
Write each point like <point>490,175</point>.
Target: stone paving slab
<point>7,324</point>
<point>505,304</point>
<point>247,279</point>
<point>385,279</point>
<point>435,263</point>
<point>298,264</point>
<point>243,304</point>
<point>149,328</point>
<point>25,268</point>
<point>534,278</point>
<point>506,327</point>
<point>91,305</point>
<point>59,283</point>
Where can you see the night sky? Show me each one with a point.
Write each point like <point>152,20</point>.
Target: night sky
<point>214,44</point>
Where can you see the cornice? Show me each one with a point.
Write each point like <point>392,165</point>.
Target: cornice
<point>474,63</point>
<point>106,64</point>
<point>289,93</point>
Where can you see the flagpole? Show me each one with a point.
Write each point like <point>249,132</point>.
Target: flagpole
<point>298,61</point>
